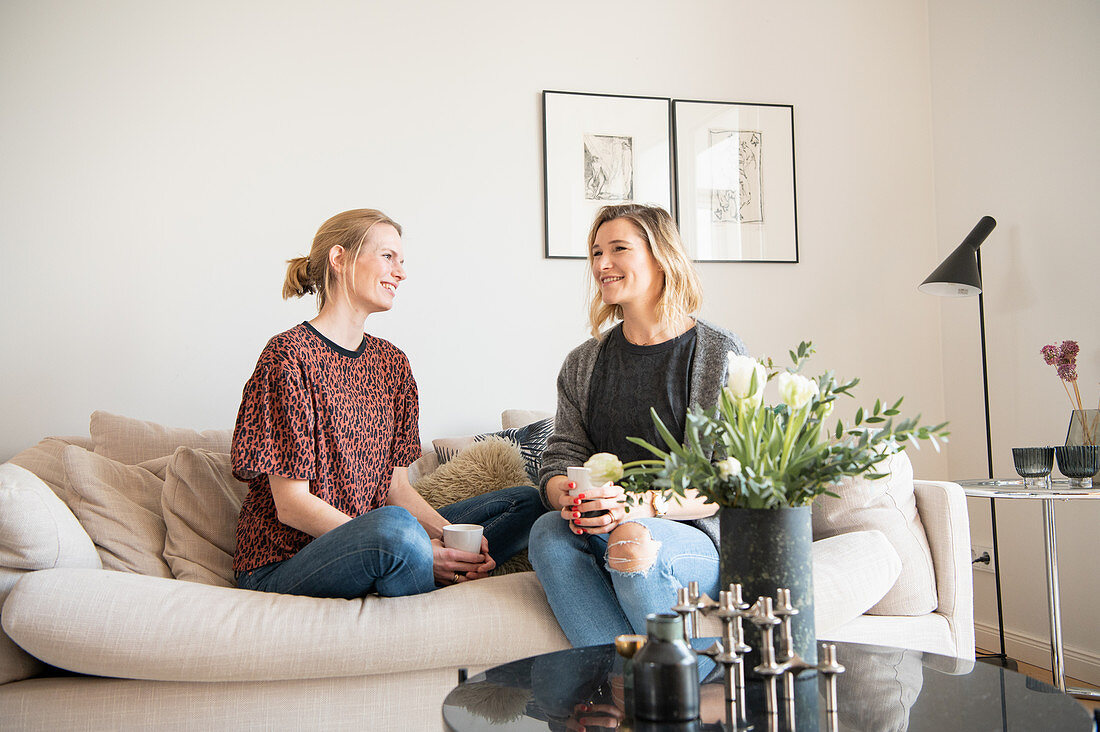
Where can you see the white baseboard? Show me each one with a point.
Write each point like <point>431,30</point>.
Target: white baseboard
<point>1082,665</point>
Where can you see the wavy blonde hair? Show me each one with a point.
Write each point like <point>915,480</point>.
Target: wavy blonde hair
<point>681,293</point>
<point>313,273</point>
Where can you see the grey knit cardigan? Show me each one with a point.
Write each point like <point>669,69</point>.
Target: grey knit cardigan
<point>570,444</point>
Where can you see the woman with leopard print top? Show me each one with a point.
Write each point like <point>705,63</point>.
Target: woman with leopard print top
<point>326,429</point>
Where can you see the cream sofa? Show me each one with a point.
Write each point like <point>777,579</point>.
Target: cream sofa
<point>118,616</point>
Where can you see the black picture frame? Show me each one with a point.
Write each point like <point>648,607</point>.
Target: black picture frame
<point>600,149</point>
<point>734,180</point>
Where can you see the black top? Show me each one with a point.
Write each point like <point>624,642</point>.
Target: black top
<point>626,381</point>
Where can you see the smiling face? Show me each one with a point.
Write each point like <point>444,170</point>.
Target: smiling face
<point>625,270</point>
<point>377,271</point>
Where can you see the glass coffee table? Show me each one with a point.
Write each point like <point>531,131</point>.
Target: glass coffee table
<point>882,689</point>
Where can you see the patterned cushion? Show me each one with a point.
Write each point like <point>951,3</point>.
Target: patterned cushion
<point>530,439</point>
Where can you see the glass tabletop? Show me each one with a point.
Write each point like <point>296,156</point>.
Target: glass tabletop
<point>882,689</point>
<point>1059,489</point>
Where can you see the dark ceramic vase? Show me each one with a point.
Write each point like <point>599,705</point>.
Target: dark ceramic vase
<point>766,549</point>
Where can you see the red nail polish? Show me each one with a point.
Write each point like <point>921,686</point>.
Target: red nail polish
<point>576,501</point>
<point>576,514</point>
<point>578,532</point>
<point>581,495</point>
<point>572,485</point>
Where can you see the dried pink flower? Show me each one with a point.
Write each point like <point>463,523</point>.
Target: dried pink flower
<point>1050,354</point>
<point>1069,350</point>
<point>1067,372</point>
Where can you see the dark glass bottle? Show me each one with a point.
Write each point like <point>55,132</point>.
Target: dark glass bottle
<point>666,674</point>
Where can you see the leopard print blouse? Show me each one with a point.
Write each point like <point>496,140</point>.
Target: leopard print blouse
<point>315,411</point>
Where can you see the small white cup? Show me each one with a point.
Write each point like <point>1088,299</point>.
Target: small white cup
<point>582,477</point>
<point>464,537</point>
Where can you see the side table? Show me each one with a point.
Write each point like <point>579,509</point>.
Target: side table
<point>1059,491</point>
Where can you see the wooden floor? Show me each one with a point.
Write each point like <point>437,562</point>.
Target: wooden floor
<point>1044,675</point>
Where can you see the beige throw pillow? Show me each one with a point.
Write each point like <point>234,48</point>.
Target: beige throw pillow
<point>512,418</point>
<point>44,460</point>
<point>119,507</point>
<point>132,441</point>
<point>484,466</point>
<point>201,502</point>
<point>890,506</point>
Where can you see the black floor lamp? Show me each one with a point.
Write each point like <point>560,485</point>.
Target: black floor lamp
<point>960,275</point>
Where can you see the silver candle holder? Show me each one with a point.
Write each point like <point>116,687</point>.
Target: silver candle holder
<point>778,669</point>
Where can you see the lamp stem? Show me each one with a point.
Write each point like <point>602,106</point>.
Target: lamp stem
<point>989,464</point>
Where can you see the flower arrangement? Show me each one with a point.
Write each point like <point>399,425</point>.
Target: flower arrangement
<point>1064,359</point>
<point>743,453</point>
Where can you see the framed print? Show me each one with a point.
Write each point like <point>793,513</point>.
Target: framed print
<point>735,181</point>
<point>597,150</point>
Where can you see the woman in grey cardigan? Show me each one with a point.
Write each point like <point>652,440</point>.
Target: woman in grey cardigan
<point>604,571</point>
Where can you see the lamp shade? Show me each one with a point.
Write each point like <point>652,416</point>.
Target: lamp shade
<point>958,275</point>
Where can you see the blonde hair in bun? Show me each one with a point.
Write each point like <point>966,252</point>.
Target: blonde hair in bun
<point>313,273</point>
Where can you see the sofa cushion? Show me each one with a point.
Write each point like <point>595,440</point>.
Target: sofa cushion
<point>133,441</point>
<point>129,626</point>
<point>887,505</point>
<point>119,507</point>
<point>488,465</point>
<point>200,503</point>
<point>531,440</point>
<point>44,460</point>
<point>37,531</point>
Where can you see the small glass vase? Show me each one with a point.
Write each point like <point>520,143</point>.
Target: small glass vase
<point>1084,427</point>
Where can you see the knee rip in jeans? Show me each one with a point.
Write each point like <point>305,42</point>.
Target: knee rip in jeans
<point>631,549</point>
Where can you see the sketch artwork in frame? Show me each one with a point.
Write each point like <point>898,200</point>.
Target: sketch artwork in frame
<point>735,188</point>
<point>599,150</point>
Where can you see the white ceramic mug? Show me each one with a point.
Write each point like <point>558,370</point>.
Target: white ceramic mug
<point>464,537</point>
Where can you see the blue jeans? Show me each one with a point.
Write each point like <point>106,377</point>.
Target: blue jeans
<point>387,552</point>
<point>593,602</point>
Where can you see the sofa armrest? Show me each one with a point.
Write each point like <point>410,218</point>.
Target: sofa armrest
<point>942,508</point>
<point>132,626</point>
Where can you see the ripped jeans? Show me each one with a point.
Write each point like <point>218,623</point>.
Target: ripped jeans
<point>595,600</point>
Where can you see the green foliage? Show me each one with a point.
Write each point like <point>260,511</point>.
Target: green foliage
<point>785,457</point>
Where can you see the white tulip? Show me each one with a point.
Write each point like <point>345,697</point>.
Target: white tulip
<point>728,468</point>
<point>741,371</point>
<point>795,390</point>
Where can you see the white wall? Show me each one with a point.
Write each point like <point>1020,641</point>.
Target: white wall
<point>161,161</point>
<point>1016,99</point>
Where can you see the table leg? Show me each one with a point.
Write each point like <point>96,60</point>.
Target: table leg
<point>1057,666</point>
<point>1057,657</point>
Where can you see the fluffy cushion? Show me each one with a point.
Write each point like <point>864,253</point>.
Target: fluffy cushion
<point>37,531</point>
<point>488,465</point>
<point>888,505</point>
<point>119,507</point>
<point>132,441</point>
<point>530,439</point>
<point>200,502</point>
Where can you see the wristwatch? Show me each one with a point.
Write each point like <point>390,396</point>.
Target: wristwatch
<point>658,503</point>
